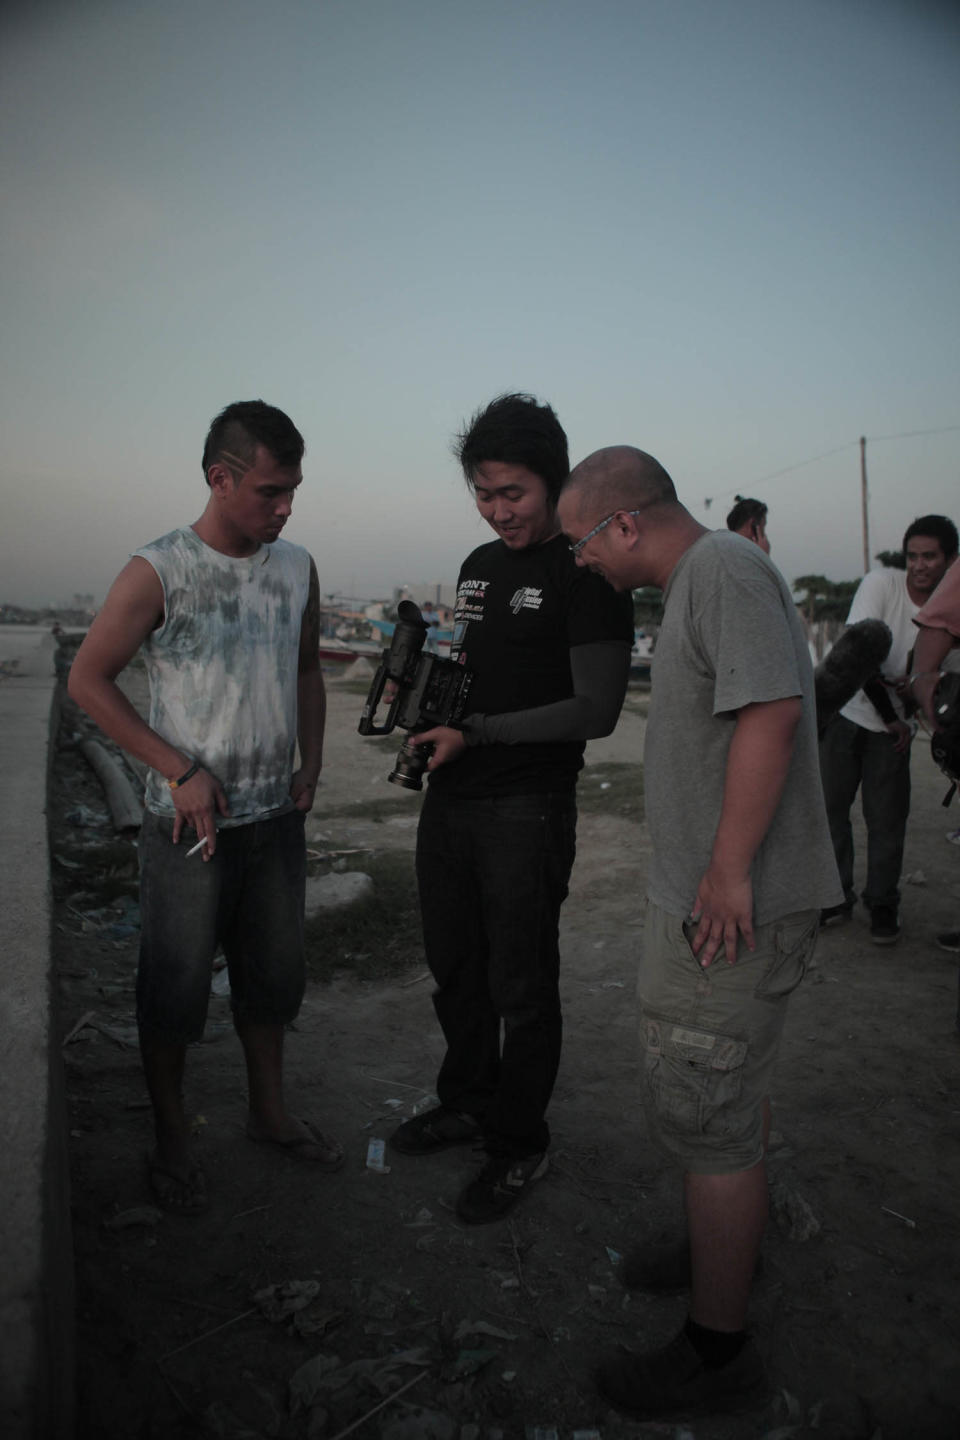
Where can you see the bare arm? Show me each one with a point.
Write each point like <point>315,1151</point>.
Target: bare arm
<point>311,701</point>
<point>133,608</point>
<point>928,655</point>
<point>757,765</point>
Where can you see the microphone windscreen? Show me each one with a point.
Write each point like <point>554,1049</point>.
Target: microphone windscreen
<point>858,654</point>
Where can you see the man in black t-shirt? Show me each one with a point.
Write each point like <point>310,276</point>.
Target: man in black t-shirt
<point>549,647</point>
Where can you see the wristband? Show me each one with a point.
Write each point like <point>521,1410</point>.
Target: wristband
<point>187,775</point>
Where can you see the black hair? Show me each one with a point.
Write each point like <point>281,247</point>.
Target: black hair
<point>746,510</point>
<point>516,429</point>
<point>242,426</point>
<point>938,527</point>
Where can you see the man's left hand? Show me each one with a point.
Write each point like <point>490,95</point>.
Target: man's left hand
<point>303,789</point>
<point>723,909</point>
<point>448,744</point>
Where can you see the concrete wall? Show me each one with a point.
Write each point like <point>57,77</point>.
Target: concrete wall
<point>36,1253</point>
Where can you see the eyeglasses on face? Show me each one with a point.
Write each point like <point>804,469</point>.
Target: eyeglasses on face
<point>578,545</point>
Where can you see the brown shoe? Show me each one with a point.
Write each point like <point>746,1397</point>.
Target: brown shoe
<point>675,1381</point>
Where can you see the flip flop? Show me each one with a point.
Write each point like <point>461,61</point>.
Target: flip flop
<point>179,1193</point>
<point>316,1148</point>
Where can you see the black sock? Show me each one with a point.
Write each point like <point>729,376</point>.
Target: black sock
<point>715,1347</point>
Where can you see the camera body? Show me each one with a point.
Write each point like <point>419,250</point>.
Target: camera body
<point>429,691</point>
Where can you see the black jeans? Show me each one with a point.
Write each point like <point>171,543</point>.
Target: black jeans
<point>851,758</point>
<point>493,874</point>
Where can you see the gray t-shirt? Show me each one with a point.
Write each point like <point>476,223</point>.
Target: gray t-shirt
<point>731,637</point>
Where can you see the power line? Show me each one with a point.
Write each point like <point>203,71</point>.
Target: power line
<point>908,434</point>
<point>815,459</point>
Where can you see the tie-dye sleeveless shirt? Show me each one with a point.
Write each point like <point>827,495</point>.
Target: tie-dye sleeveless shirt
<point>223,668</point>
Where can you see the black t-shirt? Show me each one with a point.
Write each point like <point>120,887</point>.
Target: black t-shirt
<point>518,614</point>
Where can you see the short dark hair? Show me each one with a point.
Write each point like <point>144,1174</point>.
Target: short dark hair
<point>746,511</point>
<point>938,527</point>
<point>242,426</point>
<point>516,429</point>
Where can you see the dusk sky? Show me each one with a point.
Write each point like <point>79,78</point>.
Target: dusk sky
<point>726,231</point>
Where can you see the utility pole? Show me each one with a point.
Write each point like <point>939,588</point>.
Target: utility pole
<point>863,503</point>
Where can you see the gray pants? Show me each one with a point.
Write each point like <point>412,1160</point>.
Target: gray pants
<point>853,758</point>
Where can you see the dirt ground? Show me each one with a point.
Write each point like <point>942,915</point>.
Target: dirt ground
<point>469,1333</point>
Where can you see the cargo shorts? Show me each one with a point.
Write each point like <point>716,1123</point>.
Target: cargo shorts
<point>709,1038</point>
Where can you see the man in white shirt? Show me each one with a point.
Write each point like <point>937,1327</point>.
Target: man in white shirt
<point>867,745</point>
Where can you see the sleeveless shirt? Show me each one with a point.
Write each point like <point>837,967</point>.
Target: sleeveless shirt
<point>223,667</point>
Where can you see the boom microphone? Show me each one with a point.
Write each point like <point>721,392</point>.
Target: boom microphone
<point>857,655</point>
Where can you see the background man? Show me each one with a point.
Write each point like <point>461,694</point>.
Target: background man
<point>749,519</point>
<point>741,866</point>
<point>549,648</point>
<point>227,616</point>
<point>867,745</point>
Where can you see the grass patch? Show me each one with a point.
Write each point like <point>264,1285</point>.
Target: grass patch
<point>611,789</point>
<point>375,939</point>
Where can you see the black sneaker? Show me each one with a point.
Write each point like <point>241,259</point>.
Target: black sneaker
<point>950,940</point>
<point>884,925</point>
<point>675,1381</point>
<point>835,915</point>
<point>498,1187</point>
<point>435,1129</point>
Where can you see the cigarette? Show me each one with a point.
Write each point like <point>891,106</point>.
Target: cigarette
<point>199,846</point>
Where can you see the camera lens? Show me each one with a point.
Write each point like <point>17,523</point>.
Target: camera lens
<point>410,765</point>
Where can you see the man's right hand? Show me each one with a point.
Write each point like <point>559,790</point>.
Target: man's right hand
<point>448,744</point>
<point>197,803</point>
<point>901,733</point>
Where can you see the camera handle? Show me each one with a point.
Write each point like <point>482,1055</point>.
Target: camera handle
<point>366,726</point>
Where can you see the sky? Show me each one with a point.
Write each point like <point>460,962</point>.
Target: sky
<point>725,231</point>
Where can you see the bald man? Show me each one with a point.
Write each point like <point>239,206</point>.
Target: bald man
<point>742,865</point>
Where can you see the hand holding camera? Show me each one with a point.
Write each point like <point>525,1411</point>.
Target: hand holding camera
<point>424,692</point>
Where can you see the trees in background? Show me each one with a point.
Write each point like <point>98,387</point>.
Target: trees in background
<point>823,607</point>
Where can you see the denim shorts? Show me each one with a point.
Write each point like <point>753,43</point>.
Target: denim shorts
<point>709,1038</point>
<point>248,898</point>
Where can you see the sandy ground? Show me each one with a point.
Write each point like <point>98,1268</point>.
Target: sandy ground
<point>495,1329</point>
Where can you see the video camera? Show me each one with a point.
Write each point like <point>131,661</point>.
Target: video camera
<point>429,691</point>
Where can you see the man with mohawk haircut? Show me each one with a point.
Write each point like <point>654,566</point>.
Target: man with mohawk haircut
<point>227,617</point>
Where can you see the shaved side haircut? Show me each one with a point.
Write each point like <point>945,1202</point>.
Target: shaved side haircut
<point>236,432</point>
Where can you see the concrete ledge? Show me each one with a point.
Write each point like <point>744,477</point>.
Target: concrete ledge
<point>36,1252</point>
